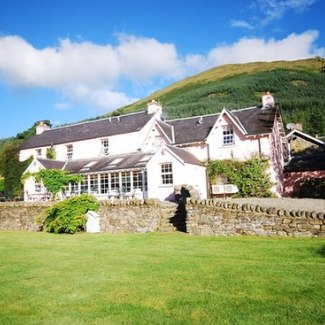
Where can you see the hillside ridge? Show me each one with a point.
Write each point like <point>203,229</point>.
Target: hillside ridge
<point>298,86</point>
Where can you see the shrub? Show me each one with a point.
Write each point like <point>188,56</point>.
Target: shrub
<point>68,216</point>
<point>250,176</point>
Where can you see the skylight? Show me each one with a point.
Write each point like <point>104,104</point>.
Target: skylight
<point>115,161</point>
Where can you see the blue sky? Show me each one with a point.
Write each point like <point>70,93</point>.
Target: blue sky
<point>65,61</point>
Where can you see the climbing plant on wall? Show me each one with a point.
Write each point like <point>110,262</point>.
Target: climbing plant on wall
<point>250,176</point>
<point>55,180</point>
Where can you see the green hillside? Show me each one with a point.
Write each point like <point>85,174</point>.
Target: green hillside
<point>298,87</point>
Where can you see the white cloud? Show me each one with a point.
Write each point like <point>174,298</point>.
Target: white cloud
<point>102,99</point>
<point>62,106</point>
<point>275,9</point>
<point>143,59</point>
<point>293,47</point>
<point>241,24</point>
<point>88,72</point>
<point>53,67</point>
<point>99,75</point>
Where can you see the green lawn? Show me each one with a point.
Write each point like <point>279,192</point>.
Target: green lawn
<point>160,279</point>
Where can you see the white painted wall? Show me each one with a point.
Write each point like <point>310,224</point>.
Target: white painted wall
<point>243,148</point>
<point>182,174</point>
<point>29,184</point>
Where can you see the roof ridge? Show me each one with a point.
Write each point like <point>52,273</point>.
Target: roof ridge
<point>242,109</point>
<point>95,120</point>
<point>192,117</point>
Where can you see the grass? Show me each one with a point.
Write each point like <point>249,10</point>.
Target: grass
<point>160,279</point>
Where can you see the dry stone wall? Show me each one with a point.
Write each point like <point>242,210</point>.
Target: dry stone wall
<point>203,218</point>
<point>20,215</point>
<point>213,218</point>
<point>136,216</point>
<point>119,216</point>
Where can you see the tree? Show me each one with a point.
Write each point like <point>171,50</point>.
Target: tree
<point>11,169</point>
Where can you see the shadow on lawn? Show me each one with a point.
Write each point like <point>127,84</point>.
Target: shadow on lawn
<point>321,251</point>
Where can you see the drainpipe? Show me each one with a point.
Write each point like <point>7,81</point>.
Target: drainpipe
<point>259,145</point>
<point>208,150</point>
<point>208,185</point>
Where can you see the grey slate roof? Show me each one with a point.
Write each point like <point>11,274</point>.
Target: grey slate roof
<point>108,163</point>
<point>186,156</point>
<point>168,129</point>
<point>89,130</point>
<point>254,120</point>
<point>135,160</point>
<point>51,164</point>
<point>188,130</point>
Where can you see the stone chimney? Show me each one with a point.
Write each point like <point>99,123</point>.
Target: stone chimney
<point>268,101</point>
<point>42,127</point>
<point>154,107</point>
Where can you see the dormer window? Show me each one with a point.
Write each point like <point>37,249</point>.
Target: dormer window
<point>69,151</point>
<point>104,147</point>
<point>228,135</point>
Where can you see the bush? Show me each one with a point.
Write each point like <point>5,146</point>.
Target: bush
<point>68,216</point>
<point>250,176</point>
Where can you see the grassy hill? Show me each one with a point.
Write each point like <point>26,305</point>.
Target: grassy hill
<point>298,86</point>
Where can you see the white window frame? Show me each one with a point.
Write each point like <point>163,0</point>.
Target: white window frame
<point>104,150</point>
<point>228,136</point>
<point>38,186</point>
<point>167,173</point>
<point>69,151</point>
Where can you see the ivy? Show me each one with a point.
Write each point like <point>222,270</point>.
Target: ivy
<point>55,180</point>
<point>68,216</point>
<point>11,168</point>
<point>50,153</point>
<point>250,176</point>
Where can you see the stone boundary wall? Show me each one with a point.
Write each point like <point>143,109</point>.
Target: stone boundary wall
<point>136,216</point>
<point>203,218</point>
<point>20,215</point>
<point>115,216</point>
<point>215,218</point>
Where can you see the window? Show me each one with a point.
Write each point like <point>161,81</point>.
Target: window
<point>104,180</point>
<point>84,185</point>
<point>74,188</point>
<point>115,181</point>
<point>228,136</point>
<point>93,184</point>
<point>137,179</point>
<point>126,181</point>
<point>69,151</point>
<point>38,187</point>
<point>38,153</point>
<point>104,147</point>
<point>167,173</point>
